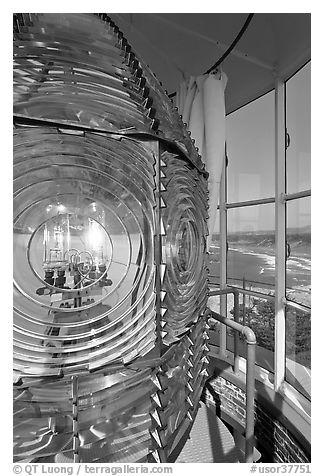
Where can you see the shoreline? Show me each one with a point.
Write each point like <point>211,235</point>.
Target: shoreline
<point>261,250</point>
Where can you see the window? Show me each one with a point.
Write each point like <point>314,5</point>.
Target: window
<point>251,246</point>
<point>251,230</point>
<point>250,150</point>
<point>298,349</point>
<point>214,253</point>
<point>298,125</point>
<point>298,232</point>
<point>259,315</point>
<point>298,264</point>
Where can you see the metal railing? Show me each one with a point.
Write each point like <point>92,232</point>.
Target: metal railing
<point>250,339</point>
<point>261,295</point>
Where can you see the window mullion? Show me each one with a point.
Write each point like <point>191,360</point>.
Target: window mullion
<point>280,217</point>
<point>223,254</point>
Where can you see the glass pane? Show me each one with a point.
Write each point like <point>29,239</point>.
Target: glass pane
<point>259,315</point>
<point>298,350</point>
<point>298,117</point>
<point>298,264</point>
<point>251,151</point>
<point>251,246</point>
<point>214,254</point>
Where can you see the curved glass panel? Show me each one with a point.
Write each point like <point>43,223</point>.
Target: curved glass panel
<point>298,123</point>
<point>44,424</point>
<point>298,290</point>
<point>119,412</point>
<point>251,246</point>
<point>183,246</point>
<point>298,263</point>
<point>298,350</point>
<point>251,150</point>
<point>69,68</point>
<point>259,315</point>
<point>214,254</point>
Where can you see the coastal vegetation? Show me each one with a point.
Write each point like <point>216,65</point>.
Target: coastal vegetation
<point>260,316</point>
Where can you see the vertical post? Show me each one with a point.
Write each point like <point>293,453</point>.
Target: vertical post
<point>244,301</point>
<point>223,254</point>
<point>236,334</point>
<point>250,382</point>
<point>75,430</point>
<point>280,214</point>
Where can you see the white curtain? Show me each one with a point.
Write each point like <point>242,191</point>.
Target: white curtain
<point>201,102</point>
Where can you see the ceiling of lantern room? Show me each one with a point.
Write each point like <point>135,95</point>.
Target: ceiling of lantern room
<point>178,45</point>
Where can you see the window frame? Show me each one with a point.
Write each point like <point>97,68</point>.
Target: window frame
<point>280,200</point>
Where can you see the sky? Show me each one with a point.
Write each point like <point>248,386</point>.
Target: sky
<point>251,156</point>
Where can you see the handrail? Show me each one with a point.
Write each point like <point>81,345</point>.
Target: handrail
<point>247,281</point>
<point>250,338</point>
<point>250,281</point>
<point>246,291</point>
<point>257,294</point>
<point>296,305</point>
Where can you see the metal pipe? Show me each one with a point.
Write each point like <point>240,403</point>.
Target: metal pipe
<point>268,285</point>
<point>75,397</point>
<point>236,334</point>
<point>269,297</point>
<point>296,305</point>
<point>244,302</point>
<point>248,292</point>
<point>247,281</point>
<point>247,332</point>
<point>250,338</point>
<point>249,403</point>
<point>219,292</point>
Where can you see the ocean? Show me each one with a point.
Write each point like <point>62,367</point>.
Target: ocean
<point>257,264</point>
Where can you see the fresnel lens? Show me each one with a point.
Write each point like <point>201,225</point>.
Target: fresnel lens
<point>110,275</point>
